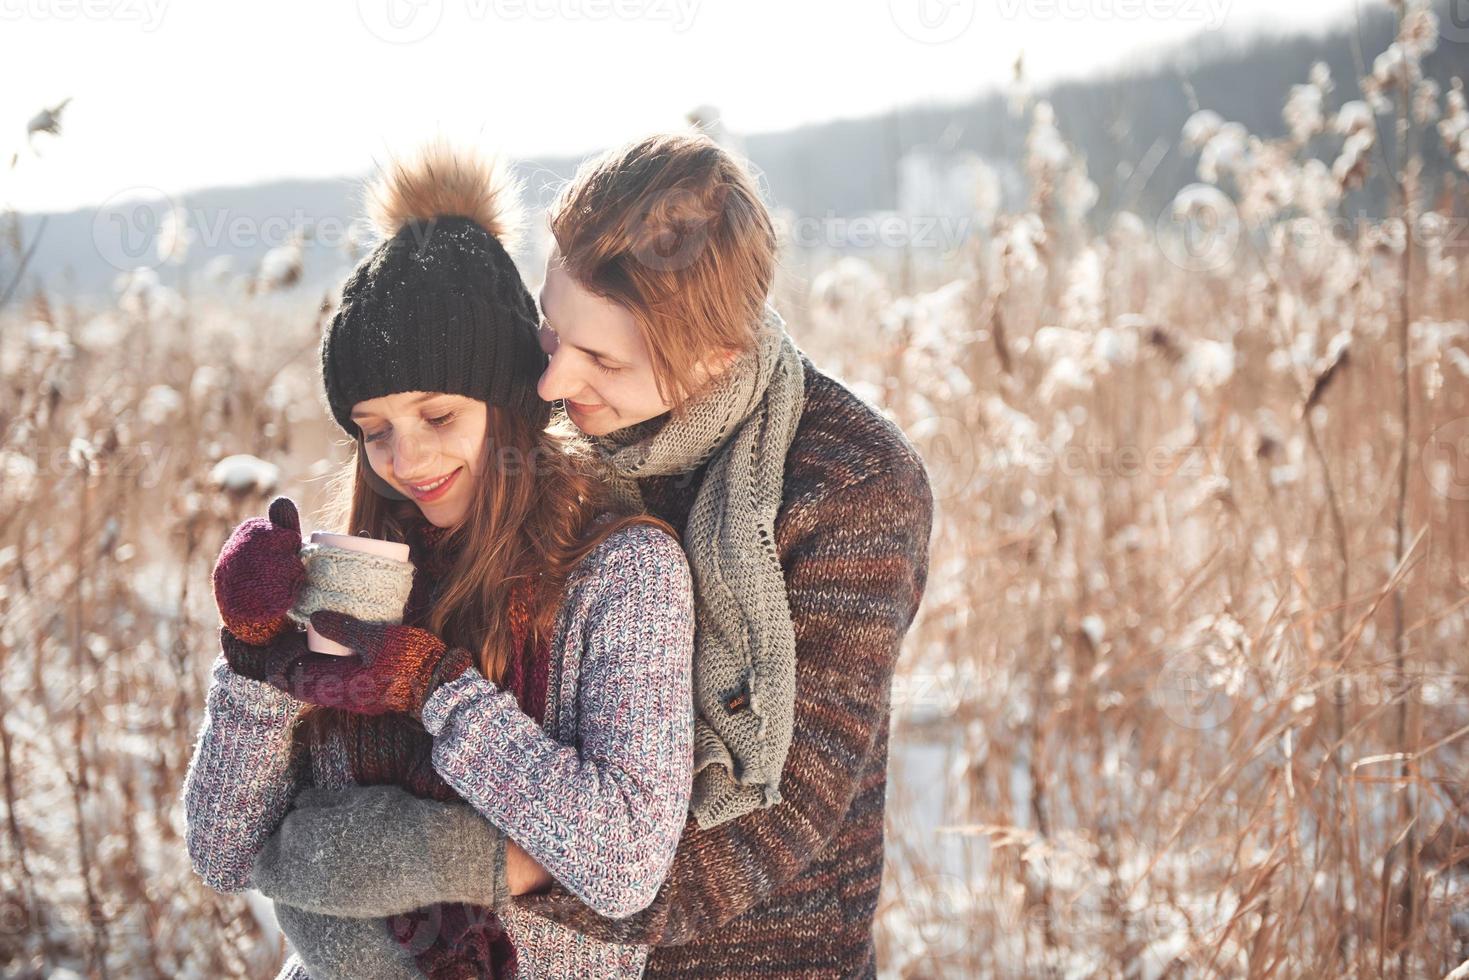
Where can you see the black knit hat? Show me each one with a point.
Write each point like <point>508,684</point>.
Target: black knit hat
<point>438,305</point>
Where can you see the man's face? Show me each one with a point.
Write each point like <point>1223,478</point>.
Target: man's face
<point>599,364</point>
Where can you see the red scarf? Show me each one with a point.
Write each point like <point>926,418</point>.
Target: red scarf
<point>450,941</point>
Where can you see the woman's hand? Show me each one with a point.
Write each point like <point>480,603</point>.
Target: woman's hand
<point>394,667</point>
<point>268,663</point>
<point>259,572</point>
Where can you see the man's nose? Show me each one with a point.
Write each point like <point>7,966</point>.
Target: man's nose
<point>558,380</point>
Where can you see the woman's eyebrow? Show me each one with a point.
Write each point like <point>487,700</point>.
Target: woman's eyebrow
<point>417,400</point>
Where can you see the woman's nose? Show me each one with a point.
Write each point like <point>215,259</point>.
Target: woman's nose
<point>409,451</point>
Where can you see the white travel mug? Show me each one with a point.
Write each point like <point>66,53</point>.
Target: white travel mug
<point>364,577</point>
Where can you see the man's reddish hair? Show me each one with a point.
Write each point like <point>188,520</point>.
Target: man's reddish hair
<point>672,228</point>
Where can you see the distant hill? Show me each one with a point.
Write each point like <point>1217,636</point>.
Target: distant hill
<point>1114,120</point>
<point>841,168</point>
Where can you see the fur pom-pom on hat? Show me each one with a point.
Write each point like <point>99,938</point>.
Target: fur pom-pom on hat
<point>441,180</point>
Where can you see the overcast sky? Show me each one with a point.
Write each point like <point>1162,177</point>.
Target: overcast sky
<point>183,94</point>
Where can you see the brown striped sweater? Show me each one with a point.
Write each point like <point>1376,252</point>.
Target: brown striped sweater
<point>791,890</point>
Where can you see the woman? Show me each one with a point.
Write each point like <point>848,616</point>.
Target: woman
<point>542,669</point>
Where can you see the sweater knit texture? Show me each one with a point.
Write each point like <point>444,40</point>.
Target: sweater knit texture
<point>791,890</point>
<point>598,794</point>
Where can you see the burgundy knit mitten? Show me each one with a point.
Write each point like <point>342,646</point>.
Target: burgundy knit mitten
<point>463,940</point>
<point>259,572</point>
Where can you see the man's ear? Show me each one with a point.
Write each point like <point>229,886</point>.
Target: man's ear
<point>716,362</point>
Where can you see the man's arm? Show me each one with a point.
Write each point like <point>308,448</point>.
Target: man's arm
<point>856,562</point>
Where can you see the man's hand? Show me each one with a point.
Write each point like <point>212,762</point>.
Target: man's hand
<point>367,851</point>
<point>523,872</point>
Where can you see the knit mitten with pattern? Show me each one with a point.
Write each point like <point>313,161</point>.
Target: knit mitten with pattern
<point>259,572</point>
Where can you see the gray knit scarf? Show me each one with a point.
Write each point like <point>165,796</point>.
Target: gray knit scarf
<point>745,644</point>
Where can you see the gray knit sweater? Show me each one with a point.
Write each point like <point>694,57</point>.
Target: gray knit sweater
<point>598,797</point>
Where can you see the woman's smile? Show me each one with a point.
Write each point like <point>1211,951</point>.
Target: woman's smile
<point>434,489</point>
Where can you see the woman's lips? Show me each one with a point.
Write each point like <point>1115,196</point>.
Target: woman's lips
<point>582,409</point>
<point>436,492</point>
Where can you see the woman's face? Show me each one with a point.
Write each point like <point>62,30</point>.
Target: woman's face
<point>413,438</point>
<point>599,365</point>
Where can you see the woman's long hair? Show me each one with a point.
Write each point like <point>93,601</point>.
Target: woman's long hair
<point>529,521</point>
